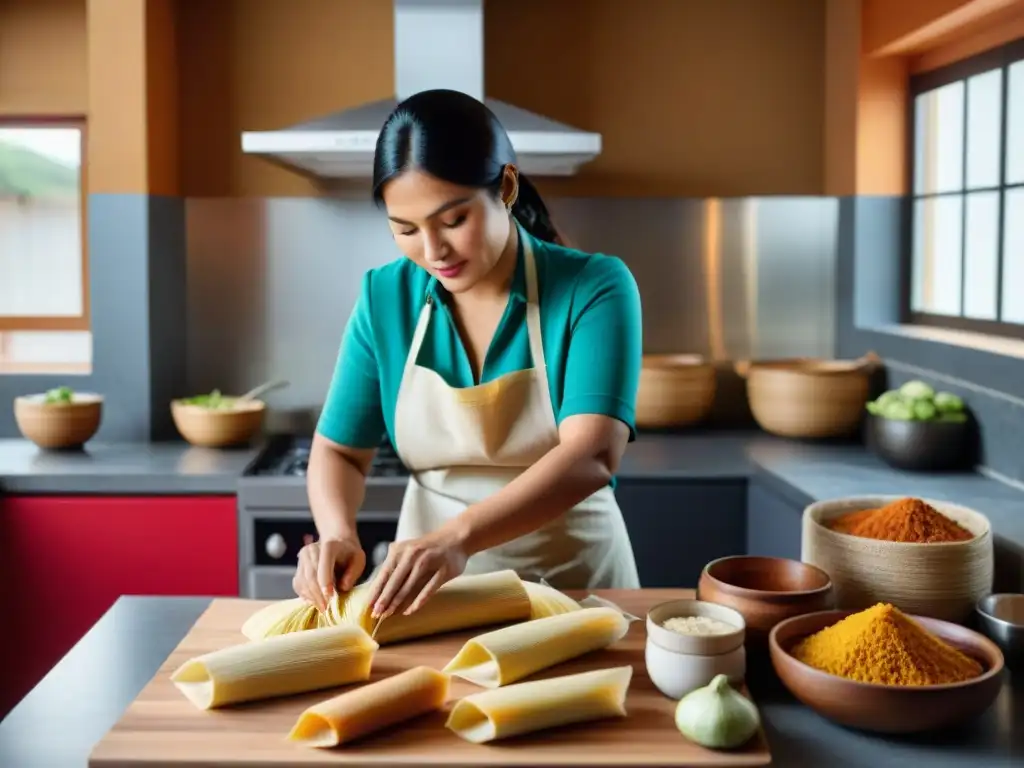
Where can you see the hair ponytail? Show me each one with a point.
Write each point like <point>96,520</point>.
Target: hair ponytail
<point>530,211</point>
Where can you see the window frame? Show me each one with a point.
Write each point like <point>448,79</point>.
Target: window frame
<point>1001,57</point>
<point>20,323</point>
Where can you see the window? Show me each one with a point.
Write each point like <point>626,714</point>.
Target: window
<point>967,170</point>
<point>44,296</point>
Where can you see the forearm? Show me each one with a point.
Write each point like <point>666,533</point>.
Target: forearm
<point>336,486</point>
<point>560,480</point>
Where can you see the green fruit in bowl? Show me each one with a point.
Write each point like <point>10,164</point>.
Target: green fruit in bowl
<point>917,390</point>
<point>918,401</point>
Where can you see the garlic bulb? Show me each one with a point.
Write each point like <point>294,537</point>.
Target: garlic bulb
<point>717,716</point>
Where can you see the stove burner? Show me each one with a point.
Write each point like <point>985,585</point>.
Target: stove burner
<point>294,461</point>
<point>296,466</point>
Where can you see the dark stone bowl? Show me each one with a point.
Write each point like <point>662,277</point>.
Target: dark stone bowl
<point>923,446</point>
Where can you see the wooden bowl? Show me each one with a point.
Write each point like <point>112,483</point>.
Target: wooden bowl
<point>59,425</point>
<point>765,591</point>
<point>808,398</point>
<point>675,390</point>
<point>942,580</point>
<point>887,708</point>
<point>218,427</point>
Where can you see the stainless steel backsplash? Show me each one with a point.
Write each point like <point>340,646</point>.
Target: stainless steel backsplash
<point>271,282</point>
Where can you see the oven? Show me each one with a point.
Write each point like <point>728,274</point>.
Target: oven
<point>277,538</point>
<point>275,521</point>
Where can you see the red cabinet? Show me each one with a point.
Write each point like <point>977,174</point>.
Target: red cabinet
<point>64,560</point>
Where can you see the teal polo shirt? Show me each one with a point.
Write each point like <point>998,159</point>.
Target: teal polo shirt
<point>590,323</point>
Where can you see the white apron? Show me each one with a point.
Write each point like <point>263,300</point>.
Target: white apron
<point>463,445</point>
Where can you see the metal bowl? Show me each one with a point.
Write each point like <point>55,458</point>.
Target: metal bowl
<point>1001,618</point>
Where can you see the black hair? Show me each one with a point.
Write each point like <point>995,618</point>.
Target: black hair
<point>456,138</point>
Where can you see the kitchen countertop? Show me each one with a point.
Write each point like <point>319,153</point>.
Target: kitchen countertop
<point>83,696</point>
<point>122,468</point>
<point>802,471</point>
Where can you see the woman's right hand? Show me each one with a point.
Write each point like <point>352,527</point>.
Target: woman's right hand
<point>316,576</point>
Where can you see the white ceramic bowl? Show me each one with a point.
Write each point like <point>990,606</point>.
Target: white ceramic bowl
<point>676,674</point>
<point>678,664</point>
<point>705,645</point>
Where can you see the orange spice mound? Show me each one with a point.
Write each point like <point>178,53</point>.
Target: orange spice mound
<point>885,646</point>
<point>906,520</point>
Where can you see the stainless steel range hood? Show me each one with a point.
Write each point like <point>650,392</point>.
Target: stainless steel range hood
<point>438,44</point>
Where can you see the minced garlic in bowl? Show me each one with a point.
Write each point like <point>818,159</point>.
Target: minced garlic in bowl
<point>698,625</point>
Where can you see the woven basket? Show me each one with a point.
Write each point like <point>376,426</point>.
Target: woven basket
<point>941,580</point>
<point>675,390</point>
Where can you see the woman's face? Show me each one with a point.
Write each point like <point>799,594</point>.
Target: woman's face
<point>456,233</point>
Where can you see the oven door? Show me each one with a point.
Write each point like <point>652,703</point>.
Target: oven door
<point>277,540</point>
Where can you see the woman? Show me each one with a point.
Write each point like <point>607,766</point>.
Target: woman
<point>502,364</point>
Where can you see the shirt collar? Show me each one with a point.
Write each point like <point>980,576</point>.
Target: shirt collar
<point>518,287</point>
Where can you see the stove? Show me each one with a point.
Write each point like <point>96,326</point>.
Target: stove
<point>275,520</point>
<point>290,458</point>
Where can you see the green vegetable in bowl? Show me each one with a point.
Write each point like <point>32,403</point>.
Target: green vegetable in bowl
<point>918,401</point>
<point>917,390</point>
<point>925,410</point>
<point>215,400</point>
<point>947,402</point>
<point>59,395</point>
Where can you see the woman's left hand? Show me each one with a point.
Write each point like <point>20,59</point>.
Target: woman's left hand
<point>414,570</point>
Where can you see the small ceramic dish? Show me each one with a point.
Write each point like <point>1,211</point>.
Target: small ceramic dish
<point>677,663</point>
<point>704,645</point>
<point>676,674</point>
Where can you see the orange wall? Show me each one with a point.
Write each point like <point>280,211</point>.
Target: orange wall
<point>43,58</point>
<point>264,64</point>
<point>872,48</point>
<point>704,97</point>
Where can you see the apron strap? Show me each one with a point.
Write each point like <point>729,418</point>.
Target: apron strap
<point>418,336</point>
<point>533,327</point>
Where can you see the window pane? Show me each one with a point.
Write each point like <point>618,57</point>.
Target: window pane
<point>1013,257</point>
<point>1015,125</point>
<point>939,140</point>
<point>984,125</point>
<point>938,225</point>
<point>46,352</point>
<point>40,222</point>
<point>981,255</point>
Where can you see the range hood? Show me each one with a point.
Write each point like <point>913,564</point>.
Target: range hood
<point>438,44</point>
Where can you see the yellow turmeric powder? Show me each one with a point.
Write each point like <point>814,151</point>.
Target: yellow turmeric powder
<point>883,645</point>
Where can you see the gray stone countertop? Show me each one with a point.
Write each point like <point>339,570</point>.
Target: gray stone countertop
<point>83,696</point>
<point>121,468</point>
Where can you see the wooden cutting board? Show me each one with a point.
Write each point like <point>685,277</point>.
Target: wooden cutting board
<point>163,729</point>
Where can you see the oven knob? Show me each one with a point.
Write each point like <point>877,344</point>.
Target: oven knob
<point>276,546</point>
<point>380,553</point>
